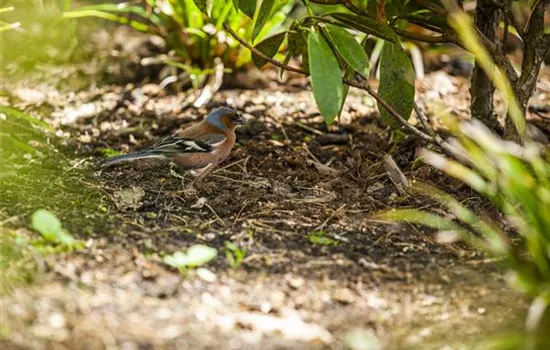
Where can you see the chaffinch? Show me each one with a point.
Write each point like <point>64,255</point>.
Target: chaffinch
<point>202,145</point>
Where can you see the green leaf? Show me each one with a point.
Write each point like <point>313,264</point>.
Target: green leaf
<point>268,47</point>
<point>350,50</point>
<point>396,83</point>
<point>326,78</point>
<point>367,25</point>
<point>47,224</point>
<point>236,4</point>
<point>200,254</point>
<point>197,255</point>
<point>205,6</point>
<point>263,16</point>
<point>248,7</point>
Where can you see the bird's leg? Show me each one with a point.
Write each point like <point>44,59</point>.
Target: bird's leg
<point>204,173</point>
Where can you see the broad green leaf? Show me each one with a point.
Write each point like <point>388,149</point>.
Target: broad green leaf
<point>367,25</point>
<point>268,47</point>
<point>47,224</point>
<point>248,7</point>
<point>350,50</point>
<point>205,6</point>
<point>396,83</point>
<point>326,78</point>
<point>263,16</point>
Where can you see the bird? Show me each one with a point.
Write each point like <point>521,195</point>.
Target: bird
<point>203,145</point>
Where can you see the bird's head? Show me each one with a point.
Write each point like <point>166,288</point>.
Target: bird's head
<point>225,118</point>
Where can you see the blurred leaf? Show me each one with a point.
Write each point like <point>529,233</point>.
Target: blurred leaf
<point>326,77</point>
<point>367,25</point>
<point>205,6</point>
<point>350,50</point>
<point>457,170</point>
<point>248,7</point>
<point>263,16</point>
<point>9,111</point>
<point>108,16</point>
<point>121,8</point>
<point>463,25</point>
<point>47,224</point>
<point>268,47</point>
<point>195,256</point>
<point>396,83</point>
<point>200,254</point>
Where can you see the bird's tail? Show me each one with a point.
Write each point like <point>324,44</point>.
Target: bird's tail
<point>149,153</point>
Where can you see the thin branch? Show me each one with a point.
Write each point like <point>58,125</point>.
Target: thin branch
<point>419,37</point>
<point>261,54</point>
<point>506,7</point>
<point>438,10</point>
<point>347,3</point>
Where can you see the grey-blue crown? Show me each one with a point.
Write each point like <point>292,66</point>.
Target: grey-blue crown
<point>215,116</point>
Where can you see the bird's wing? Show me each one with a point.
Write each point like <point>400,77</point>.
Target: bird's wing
<point>213,140</point>
<point>176,144</point>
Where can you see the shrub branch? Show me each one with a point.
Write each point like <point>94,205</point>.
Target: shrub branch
<point>431,137</point>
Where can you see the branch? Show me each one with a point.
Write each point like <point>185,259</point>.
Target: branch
<point>438,10</point>
<point>347,3</point>
<point>261,54</point>
<point>419,37</point>
<point>506,7</point>
<point>363,86</point>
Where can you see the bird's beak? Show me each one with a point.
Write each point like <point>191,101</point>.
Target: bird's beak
<point>240,120</point>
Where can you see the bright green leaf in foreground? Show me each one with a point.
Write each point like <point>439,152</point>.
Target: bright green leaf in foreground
<point>350,50</point>
<point>47,224</point>
<point>396,82</point>
<point>326,79</point>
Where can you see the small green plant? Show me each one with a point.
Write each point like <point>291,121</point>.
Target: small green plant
<point>195,37</point>
<point>516,180</point>
<point>234,254</point>
<point>195,256</point>
<point>52,232</point>
<point>319,238</point>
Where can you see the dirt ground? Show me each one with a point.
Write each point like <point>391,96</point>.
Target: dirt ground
<point>366,283</point>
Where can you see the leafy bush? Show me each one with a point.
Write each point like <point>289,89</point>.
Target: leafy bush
<point>195,38</point>
<point>516,179</point>
<point>332,36</point>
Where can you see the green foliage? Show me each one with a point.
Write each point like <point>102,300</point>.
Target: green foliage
<point>319,238</point>
<point>193,29</point>
<point>516,179</point>
<point>326,79</point>
<point>49,226</point>
<point>268,47</point>
<point>350,50</point>
<point>234,254</point>
<point>16,265</point>
<point>195,256</point>
<point>396,82</point>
